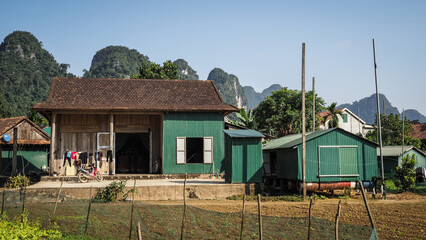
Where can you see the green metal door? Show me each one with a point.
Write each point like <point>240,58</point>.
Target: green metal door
<point>329,164</point>
<point>348,163</point>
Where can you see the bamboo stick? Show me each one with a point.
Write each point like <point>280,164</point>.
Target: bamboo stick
<point>310,220</point>
<point>242,216</point>
<point>59,193</point>
<point>184,208</point>
<point>366,205</point>
<point>23,201</point>
<point>337,221</point>
<point>3,202</point>
<point>88,211</point>
<point>131,213</point>
<point>139,231</point>
<point>260,217</point>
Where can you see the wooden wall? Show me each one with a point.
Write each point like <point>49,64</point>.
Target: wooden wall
<point>78,132</point>
<point>27,131</point>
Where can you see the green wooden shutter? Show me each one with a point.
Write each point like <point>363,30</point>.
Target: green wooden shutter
<point>348,162</point>
<point>329,163</point>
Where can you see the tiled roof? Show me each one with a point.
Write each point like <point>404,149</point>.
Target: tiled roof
<point>419,131</point>
<point>127,95</point>
<point>7,123</point>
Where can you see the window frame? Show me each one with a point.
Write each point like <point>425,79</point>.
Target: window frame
<point>181,151</point>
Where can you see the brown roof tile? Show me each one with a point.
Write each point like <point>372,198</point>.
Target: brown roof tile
<point>76,94</point>
<point>7,123</point>
<point>419,131</point>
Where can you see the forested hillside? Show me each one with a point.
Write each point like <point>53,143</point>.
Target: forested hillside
<point>115,62</point>
<point>186,71</point>
<point>26,71</point>
<point>229,87</point>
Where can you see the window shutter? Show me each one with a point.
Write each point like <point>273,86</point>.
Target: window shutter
<point>208,150</point>
<point>180,150</point>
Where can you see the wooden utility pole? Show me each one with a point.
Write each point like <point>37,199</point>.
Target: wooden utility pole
<point>303,124</point>
<point>313,104</point>
<point>379,124</point>
<point>15,151</point>
<point>403,132</point>
<point>52,144</point>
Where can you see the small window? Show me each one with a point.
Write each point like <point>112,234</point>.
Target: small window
<point>345,118</point>
<point>194,150</point>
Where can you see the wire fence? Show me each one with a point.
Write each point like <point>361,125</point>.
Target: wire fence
<point>112,220</point>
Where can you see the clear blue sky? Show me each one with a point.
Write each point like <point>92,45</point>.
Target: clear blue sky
<point>258,41</point>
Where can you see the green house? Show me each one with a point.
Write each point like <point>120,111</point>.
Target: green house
<point>332,155</point>
<point>243,149</point>
<point>141,126</point>
<point>392,157</point>
<point>32,146</point>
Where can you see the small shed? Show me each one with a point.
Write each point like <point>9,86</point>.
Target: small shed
<point>243,151</point>
<point>392,157</point>
<point>32,145</point>
<point>333,156</point>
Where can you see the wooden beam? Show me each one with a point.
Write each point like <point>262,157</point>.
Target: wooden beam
<point>15,150</point>
<point>111,143</point>
<point>52,144</point>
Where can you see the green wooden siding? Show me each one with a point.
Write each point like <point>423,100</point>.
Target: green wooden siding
<point>420,158</point>
<point>192,125</point>
<point>244,160</point>
<point>34,158</point>
<point>361,160</point>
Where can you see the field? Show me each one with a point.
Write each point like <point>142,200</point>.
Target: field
<point>399,217</point>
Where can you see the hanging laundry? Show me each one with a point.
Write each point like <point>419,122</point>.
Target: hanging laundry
<point>109,156</point>
<point>67,157</point>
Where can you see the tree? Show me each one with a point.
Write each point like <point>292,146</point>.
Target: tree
<point>405,177</point>
<point>156,71</point>
<point>4,107</point>
<point>392,131</point>
<point>333,113</point>
<point>281,113</point>
<point>38,119</point>
<point>245,120</point>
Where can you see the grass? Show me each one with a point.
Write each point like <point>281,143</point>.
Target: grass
<point>288,198</point>
<point>392,188</point>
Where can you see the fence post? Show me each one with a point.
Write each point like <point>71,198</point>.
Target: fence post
<point>260,217</point>
<point>88,210</point>
<point>23,201</point>
<point>366,205</point>
<point>139,231</point>
<point>131,213</point>
<point>3,202</point>
<point>242,216</point>
<point>59,193</point>
<point>310,219</point>
<point>184,208</point>
<point>337,221</point>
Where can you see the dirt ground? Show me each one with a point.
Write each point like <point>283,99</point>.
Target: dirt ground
<point>401,216</point>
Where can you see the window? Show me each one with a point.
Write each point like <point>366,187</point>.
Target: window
<point>194,150</point>
<point>345,118</point>
<point>338,161</point>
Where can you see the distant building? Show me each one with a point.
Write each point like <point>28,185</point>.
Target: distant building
<point>392,157</point>
<point>348,121</point>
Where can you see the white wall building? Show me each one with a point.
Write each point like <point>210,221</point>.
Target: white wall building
<point>348,121</point>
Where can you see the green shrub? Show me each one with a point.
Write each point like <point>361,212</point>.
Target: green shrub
<point>17,229</point>
<point>113,192</point>
<point>405,177</point>
<point>18,181</point>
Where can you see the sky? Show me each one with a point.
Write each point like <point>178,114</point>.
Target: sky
<point>258,41</point>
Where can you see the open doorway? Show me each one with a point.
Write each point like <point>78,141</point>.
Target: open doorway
<point>132,152</point>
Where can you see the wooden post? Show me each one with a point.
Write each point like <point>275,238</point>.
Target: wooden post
<point>366,205</point>
<point>310,220</point>
<point>259,208</point>
<point>52,144</point>
<point>88,211</point>
<point>303,124</point>
<point>23,202</point>
<point>15,151</point>
<point>337,221</point>
<point>111,144</point>
<point>59,193</point>
<point>379,124</point>
<point>313,105</point>
<point>184,208</point>
<point>242,216</point>
<point>3,202</point>
<point>139,231</point>
<point>131,213</point>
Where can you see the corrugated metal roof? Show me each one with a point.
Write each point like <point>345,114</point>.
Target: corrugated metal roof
<point>243,133</point>
<point>296,139</point>
<point>394,151</point>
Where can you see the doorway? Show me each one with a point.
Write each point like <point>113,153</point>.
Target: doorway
<point>132,153</point>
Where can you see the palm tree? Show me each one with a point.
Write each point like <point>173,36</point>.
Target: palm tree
<point>333,114</point>
<point>246,120</point>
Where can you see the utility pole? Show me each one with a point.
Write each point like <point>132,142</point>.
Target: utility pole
<point>313,105</point>
<point>403,132</point>
<point>379,123</point>
<point>303,124</point>
<point>15,150</point>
